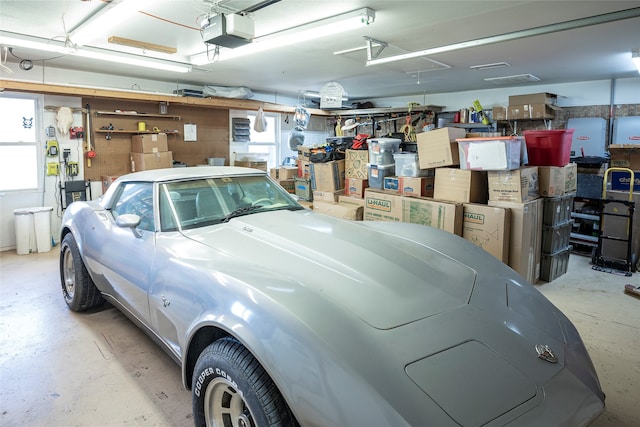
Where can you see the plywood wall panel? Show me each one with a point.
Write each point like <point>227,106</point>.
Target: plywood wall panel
<point>113,155</point>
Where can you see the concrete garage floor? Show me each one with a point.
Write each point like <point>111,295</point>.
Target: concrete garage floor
<point>59,368</point>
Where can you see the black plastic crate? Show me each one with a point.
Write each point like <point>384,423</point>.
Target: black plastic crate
<point>554,265</point>
<point>557,210</point>
<point>556,237</point>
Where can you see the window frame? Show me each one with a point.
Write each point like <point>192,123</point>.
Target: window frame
<point>38,121</point>
<point>251,115</point>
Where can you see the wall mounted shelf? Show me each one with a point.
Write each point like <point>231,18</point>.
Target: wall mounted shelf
<point>137,132</point>
<point>137,115</point>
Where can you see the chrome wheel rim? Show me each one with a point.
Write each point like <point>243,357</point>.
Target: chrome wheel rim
<point>224,406</point>
<point>69,274</point>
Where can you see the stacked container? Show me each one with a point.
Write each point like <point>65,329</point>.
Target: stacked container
<point>556,234</point>
<point>381,162</point>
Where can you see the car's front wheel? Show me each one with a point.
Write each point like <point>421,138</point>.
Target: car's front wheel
<point>79,291</point>
<point>231,389</point>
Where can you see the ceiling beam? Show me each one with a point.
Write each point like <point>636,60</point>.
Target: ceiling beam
<point>141,45</point>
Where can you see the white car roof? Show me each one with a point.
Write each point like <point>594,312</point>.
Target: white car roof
<point>170,174</point>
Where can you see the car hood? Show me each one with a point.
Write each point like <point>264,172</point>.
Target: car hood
<point>356,267</point>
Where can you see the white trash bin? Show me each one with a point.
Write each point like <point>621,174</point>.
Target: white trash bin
<point>33,229</point>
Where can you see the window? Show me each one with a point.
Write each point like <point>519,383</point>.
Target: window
<point>19,122</point>
<point>136,198</point>
<point>265,143</point>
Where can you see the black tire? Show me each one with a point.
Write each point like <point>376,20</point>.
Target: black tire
<point>231,389</point>
<point>79,291</point>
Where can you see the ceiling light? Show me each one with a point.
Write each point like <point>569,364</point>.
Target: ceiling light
<point>635,56</point>
<point>489,66</point>
<point>518,78</point>
<point>302,33</point>
<point>54,46</point>
<point>110,15</point>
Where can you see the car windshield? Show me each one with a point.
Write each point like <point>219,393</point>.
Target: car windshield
<point>197,203</point>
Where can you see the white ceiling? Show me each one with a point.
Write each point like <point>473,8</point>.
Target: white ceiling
<point>594,52</point>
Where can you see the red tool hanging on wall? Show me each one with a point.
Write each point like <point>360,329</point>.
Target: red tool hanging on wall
<point>89,151</point>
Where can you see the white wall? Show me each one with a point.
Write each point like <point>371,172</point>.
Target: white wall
<point>49,75</point>
<point>626,91</point>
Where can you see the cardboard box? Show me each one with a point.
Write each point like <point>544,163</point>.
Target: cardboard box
<point>417,186</point>
<point>356,164</point>
<point>542,111</point>
<point>533,98</point>
<point>342,210</point>
<point>525,238</point>
<point>327,176</point>
<point>531,111</point>
<point>304,169</point>
<point>284,173</point>
<point>354,187</point>
<point>438,147</point>
<point>303,188</point>
<point>517,112</point>
<point>625,156</point>
<point>383,205</point>
<point>260,164</point>
<point>620,180</point>
<point>460,185</point>
<point>327,196</point>
<point>557,181</point>
<point>304,152</point>
<point>288,184</point>
<point>517,186</point>
<point>147,161</point>
<point>489,228</point>
<point>107,180</point>
<point>499,113</point>
<point>149,143</point>
<point>350,199</point>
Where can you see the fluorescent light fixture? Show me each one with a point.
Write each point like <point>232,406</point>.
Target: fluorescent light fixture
<point>489,66</point>
<point>302,33</point>
<point>110,15</point>
<point>54,46</point>
<point>635,56</point>
<point>508,80</point>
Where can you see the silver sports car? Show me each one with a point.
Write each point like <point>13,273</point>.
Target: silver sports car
<point>280,316</point>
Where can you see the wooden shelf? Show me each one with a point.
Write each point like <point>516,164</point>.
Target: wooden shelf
<point>383,111</point>
<point>470,125</point>
<point>137,115</point>
<point>134,131</point>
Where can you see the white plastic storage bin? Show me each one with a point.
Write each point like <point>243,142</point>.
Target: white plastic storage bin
<point>381,150</point>
<point>377,174</point>
<point>490,154</point>
<point>407,165</point>
<point>33,229</point>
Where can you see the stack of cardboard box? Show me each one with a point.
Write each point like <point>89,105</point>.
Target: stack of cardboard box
<point>499,210</point>
<point>150,151</point>
<point>285,175</point>
<point>530,106</point>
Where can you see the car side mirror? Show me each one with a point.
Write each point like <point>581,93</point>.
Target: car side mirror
<point>131,221</point>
